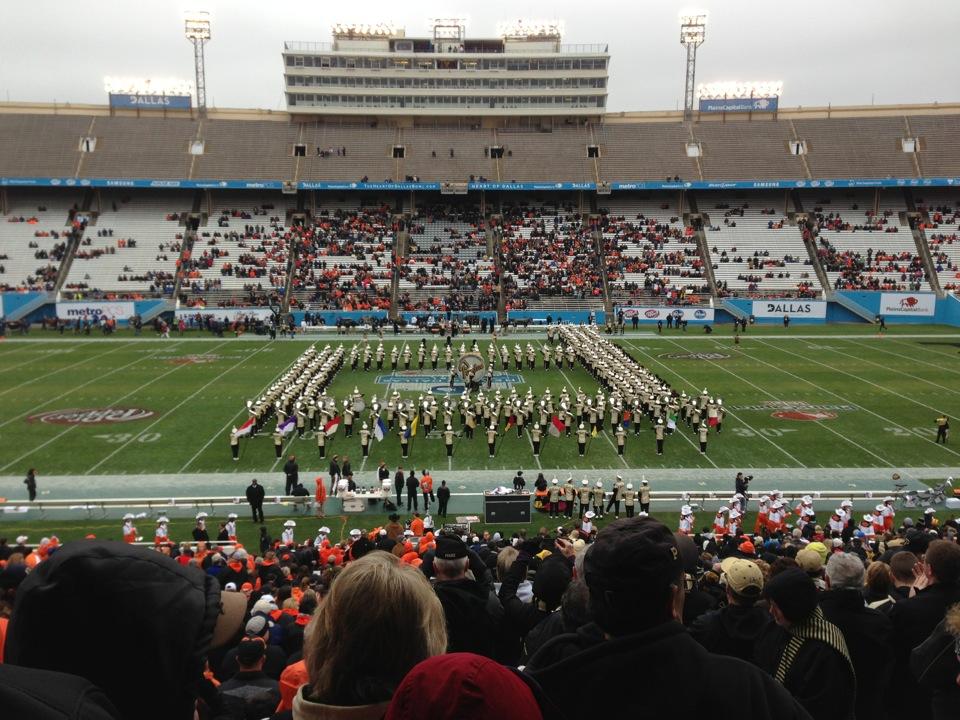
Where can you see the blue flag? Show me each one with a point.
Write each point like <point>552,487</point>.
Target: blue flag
<point>380,429</point>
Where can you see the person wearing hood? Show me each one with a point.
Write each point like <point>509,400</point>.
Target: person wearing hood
<point>734,629</point>
<point>635,578</point>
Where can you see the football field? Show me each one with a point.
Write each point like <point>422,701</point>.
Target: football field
<point>110,416</point>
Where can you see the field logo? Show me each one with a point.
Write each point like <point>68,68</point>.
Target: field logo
<point>696,356</point>
<point>92,416</point>
<point>814,416</point>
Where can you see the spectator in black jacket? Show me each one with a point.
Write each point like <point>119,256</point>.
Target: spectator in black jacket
<point>936,588</point>
<point>292,472</point>
<point>472,611</point>
<point>735,628</point>
<point>549,584</point>
<point>636,582</point>
<point>866,631</point>
<point>250,694</point>
<point>274,658</point>
<point>805,652</point>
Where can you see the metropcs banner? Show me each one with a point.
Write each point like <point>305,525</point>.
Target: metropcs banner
<point>231,314</point>
<point>653,314</point>
<point>93,311</point>
<point>908,304</point>
<point>790,308</point>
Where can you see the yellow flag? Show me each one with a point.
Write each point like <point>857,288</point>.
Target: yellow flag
<point>594,433</point>
<point>413,426</point>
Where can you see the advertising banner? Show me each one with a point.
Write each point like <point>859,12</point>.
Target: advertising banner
<point>764,104</point>
<point>777,308</point>
<point>92,311</point>
<point>150,102</point>
<point>653,314</point>
<point>916,304</point>
<point>230,314</point>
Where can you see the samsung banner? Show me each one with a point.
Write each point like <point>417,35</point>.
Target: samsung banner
<point>93,311</point>
<point>150,102</point>
<point>916,304</point>
<point>653,314</point>
<point>791,308</point>
<point>765,104</point>
<point>230,314</point>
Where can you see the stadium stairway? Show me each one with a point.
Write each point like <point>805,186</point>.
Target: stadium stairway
<point>696,220</point>
<point>733,310</point>
<point>913,219</point>
<point>856,308</point>
<point>27,308</point>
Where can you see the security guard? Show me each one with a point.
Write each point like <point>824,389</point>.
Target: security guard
<point>581,439</point>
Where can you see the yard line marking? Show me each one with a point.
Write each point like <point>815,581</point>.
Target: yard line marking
<point>283,452</point>
<point>234,418</point>
<point>950,355</point>
<point>54,372</point>
<point>899,372</point>
<point>535,457</point>
<point>747,425</point>
<point>922,362</point>
<point>867,410</point>
<point>817,422</point>
<point>171,410</point>
<point>74,427</point>
<point>602,432</point>
<point>3,356</point>
<point>83,385</point>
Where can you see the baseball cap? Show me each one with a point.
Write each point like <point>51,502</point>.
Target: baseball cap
<point>450,547</point>
<point>463,686</point>
<point>256,626</point>
<point>743,577</point>
<point>809,561</point>
<point>633,553</point>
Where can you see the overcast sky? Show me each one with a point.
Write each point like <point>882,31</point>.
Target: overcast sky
<point>825,51</point>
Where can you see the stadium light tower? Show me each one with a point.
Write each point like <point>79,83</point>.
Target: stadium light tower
<point>197,30</point>
<point>693,31</point>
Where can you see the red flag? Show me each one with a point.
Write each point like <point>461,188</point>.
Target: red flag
<point>712,422</point>
<point>331,427</point>
<point>245,429</point>
<point>511,421</point>
<point>556,427</point>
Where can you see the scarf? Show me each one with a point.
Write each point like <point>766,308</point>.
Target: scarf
<point>815,627</point>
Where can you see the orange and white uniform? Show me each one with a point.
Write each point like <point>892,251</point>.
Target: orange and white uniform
<point>775,517</point>
<point>734,519</point>
<point>762,510</point>
<point>866,527</point>
<point>879,526</point>
<point>231,527</point>
<point>720,522</point>
<point>687,520</point>
<point>888,514</point>
<point>129,531</point>
<point>161,534</point>
<point>836,521</point>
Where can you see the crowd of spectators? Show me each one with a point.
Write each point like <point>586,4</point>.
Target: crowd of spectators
<point>794,624</point>
<point>548,252</point>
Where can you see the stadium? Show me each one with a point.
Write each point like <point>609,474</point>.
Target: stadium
<point>447,304</point>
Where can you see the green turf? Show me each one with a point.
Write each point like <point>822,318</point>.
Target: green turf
<point>887,392</point>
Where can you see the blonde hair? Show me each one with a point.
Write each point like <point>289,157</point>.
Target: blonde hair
<point>505,559</point>
<point>380,618</point>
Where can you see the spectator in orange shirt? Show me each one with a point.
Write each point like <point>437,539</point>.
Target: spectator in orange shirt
<point>426,485</point>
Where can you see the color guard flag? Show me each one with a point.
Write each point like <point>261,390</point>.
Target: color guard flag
<point>594,433</point>
<point>413,426</point>
<point>380,429</point>
<point>331,427</point>
<point>511,421</point>
<point>672,422</point>
<point>289,424</point>
<point>245,429</point>
<point>712,422</point>
<point>556,427</point>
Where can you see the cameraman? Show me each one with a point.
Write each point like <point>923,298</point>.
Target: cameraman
<point>742,487</point>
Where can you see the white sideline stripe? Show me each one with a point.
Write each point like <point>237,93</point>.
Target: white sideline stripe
<point>602,432</point>
<point>868,410</point>
<point>167,413</point>
<point>74,427</point>
<point>899,372</point>
<point>952,356</point>
<point>817,422</point>
<point>78,387</point>
<point>54,372</point>
<point>234,418</point>
<point>738,418</point>
<point>941,368</point>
